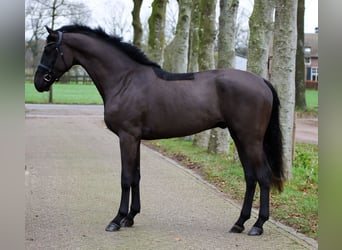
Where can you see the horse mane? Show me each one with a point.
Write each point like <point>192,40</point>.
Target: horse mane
<point>130,50</point>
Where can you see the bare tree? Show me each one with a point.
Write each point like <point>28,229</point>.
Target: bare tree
<point>261,27</point>
<point>206,61</point>
<point>283,72</point>
<point>176,53</point>
<point>227,32</point>
<point>193,44</point>
<point>34,23</point>
<point>219,138</point>
<point>136,23</point>
<point>57,12</point>
<point>171,20</point>
<point>117,22</point>
<point>300,65</point>
<point>194,37</point>
<point>207,34</point>
<point>156,38</point>
<point>242,32</point>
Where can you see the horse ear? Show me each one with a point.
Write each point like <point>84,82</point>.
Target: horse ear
<point>48,29</point>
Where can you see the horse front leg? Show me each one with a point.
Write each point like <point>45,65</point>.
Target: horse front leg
<point>128,221</point>
<point>129,147</point>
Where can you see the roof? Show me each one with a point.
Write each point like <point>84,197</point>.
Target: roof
<point>311,40</point>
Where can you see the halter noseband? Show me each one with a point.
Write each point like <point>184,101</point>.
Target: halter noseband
<point>48,76</point>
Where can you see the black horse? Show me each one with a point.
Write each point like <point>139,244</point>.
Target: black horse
<point>142,101</point>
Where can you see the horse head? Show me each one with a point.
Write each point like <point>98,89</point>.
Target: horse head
<point>55,61</point>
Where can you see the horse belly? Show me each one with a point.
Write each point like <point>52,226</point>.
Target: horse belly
<point>180,109</point>
<point>178,125</point>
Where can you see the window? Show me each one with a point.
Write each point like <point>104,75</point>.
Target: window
<point>314,74</point>
<point>307,60</point>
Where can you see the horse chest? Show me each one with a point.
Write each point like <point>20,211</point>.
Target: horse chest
<point>123,120</point>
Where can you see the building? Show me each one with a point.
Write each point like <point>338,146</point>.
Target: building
<point>311,60</point>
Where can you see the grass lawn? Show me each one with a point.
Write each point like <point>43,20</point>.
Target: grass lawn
<point>311,97</point>
<point>64,93</point>
<point>88,94</point>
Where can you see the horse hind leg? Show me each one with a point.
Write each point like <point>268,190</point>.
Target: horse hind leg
<point>250,180</point>
<point>264,176</point>
<point>256,171</point>
<point>247,205</point>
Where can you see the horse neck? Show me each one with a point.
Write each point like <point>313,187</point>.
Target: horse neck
<point>104,63</point>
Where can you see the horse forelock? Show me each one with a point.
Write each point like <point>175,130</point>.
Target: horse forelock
<point>130,50</point>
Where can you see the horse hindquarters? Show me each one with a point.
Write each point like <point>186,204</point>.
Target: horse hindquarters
<point>259,142</point>
<point>247,115</point>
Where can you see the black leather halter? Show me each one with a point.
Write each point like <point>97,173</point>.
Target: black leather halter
<point>48,77</point>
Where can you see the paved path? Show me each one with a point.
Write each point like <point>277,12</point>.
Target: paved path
<point>72,183</point>
<point>307,130</point>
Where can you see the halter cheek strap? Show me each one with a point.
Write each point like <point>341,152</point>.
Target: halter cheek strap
<point>44,67</point>
<point>60,37</point>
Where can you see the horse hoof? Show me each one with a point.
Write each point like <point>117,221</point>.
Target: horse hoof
<point>255,231</point>
<point>125,222</point>
<point>236,229</point>
<point>112,227</point>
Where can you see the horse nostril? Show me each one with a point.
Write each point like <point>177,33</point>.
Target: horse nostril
<point>47,77</point>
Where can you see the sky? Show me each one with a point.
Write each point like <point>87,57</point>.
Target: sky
<point>104,10</point>
<point>100,7</point>
<point>311,16</point>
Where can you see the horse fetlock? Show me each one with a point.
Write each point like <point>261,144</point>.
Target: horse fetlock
<point>237,229</point>
<point>127,222</point>
<point>255,231</point>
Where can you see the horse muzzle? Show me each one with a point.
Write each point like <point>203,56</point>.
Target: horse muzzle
<point>42,82</point>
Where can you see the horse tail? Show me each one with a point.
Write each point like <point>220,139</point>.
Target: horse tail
<point>273,143</point>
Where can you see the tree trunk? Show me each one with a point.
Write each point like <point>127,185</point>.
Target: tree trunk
<point>219,138</point>
<point>283,73</point>
<point>207,35</point>
<point>226,36</point>
<point>300,65</point>
<point>261,26</point>
<point>206,61</point>
<point>193,44</point>
<point>176,53</point>
<point>194,37</point>
<point>53,17</point>
<point>156,38</point>
<point>137,27</point>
